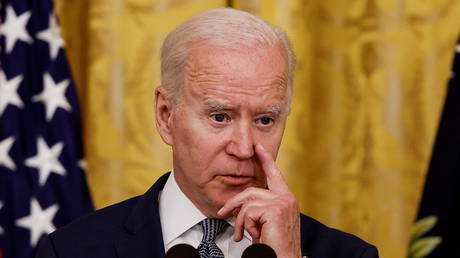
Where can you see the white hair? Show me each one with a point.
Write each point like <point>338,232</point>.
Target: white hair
<point>224,27</point>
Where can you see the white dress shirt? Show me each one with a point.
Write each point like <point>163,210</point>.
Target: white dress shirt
<point>179,223</point>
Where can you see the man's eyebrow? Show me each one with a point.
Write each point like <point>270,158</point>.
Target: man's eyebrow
<point>214,106</point>
<point>276,110</point>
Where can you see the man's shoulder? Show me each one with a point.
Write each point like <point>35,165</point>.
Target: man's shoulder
<point>128,227</point>
<point>319,240</point>
<point>113,218</point>
<point>99,224</point>
<point>93,234</point>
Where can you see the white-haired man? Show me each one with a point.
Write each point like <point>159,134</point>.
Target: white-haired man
<point>222,107</point>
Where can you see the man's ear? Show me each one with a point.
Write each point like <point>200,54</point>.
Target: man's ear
<point>163,115</point>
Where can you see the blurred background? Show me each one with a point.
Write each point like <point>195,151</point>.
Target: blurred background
<point>369,91</point>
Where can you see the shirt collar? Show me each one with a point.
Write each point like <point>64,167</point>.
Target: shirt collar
<point>173,206</point>
<point>177,213</point>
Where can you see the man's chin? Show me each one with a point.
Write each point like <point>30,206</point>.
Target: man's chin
<point>223,196</point>
<point>225,192</point>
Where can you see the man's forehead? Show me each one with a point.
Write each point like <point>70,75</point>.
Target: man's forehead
<point>212,61</point>
<point>245,79</point>
<point>269,95</point>
<point>217,75</point>
<point>207,74</point>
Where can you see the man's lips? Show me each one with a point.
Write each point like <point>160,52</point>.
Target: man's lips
<point>236,180</point>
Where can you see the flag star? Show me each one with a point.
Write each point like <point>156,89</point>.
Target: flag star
<point>46,160</point>
<point>53,96</point>
<point>14,28</point>
<point>8,92</point>
<point>52,35</point>
<point>40,221</point>
<point>1,229</point>
<point>5,159</point>
<point>82,164</point>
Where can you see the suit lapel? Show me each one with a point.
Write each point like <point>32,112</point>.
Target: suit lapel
<point>143,238</point>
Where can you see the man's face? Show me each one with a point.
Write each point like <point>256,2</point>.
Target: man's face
<point>230,100</point>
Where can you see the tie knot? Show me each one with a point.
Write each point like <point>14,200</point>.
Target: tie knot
<point>211,228</point>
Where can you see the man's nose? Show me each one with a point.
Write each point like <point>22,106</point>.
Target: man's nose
<point>241,144</point>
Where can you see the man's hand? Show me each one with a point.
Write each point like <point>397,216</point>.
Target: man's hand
<point>271,216</point>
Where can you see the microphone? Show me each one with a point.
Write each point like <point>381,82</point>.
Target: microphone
<point>259,251</point>
<point>182,251</point>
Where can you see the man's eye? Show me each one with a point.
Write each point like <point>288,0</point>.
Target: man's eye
<point>265,120</point>
<point>218,117</point>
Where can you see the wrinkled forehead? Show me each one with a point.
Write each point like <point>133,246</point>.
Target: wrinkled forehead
<point>253,78</point>
<point>248,67</point>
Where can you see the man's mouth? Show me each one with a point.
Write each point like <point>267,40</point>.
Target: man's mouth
<point>235,180</point>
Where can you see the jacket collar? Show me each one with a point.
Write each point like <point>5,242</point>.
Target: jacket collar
<point>143,236</point>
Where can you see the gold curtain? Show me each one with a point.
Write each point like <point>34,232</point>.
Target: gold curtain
<point>368,92</point>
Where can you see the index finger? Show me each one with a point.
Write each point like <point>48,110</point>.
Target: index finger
<point>275,180</point>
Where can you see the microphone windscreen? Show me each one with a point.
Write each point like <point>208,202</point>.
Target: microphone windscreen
<point>259,251</point>
<point>182,251</point>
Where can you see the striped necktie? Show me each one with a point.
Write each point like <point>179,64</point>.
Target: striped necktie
<point>208,247</point>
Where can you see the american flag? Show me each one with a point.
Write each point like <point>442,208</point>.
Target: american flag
<point>42,182</point>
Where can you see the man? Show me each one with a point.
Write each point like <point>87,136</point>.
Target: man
<point>222,107</point>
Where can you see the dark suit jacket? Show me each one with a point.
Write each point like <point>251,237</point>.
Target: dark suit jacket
<point>132,229</point>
